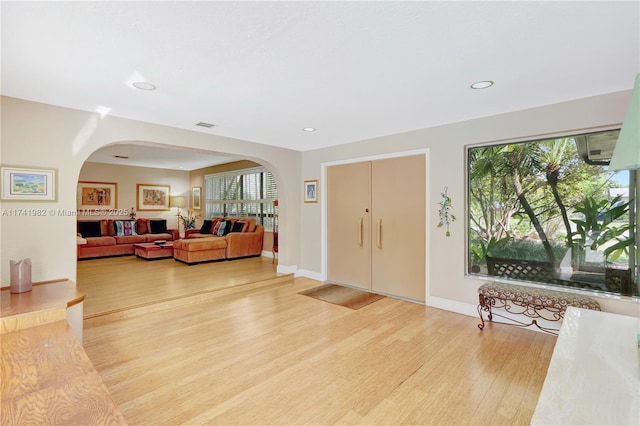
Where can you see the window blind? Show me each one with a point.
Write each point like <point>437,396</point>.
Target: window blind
<point>246,193</point>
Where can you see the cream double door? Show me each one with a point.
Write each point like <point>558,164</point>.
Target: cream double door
<point>376,226</point>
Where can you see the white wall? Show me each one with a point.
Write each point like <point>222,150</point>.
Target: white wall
<point>35,134</point>
<point>448,286</point>
<point>40,135</point>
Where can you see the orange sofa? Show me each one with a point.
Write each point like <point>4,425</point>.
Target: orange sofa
<point>239,238</point>
<point>108,237</point>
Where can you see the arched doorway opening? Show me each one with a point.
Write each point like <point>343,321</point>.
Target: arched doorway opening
<point>123,281</point>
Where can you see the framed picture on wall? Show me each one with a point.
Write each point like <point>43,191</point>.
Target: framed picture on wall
<point>152,197</point>
<point>97,195</point>
<point>196,193</point>
<point>310,191</point>
<point>28,184</point>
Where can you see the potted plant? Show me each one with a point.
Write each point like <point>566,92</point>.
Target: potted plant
<point>189,221</point>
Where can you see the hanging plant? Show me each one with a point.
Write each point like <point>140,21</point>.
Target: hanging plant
<point>445,217</point>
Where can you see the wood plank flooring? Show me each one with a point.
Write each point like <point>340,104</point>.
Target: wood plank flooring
<point>121,283</point>
<point>269,356</point>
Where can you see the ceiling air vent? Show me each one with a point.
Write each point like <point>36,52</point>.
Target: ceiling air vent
<point>203,124</point>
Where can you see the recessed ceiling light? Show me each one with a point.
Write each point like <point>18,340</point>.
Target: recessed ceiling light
<point>143,85</point>
<point>309,129</point>
<point>482,84</point>
<point>203,124</point>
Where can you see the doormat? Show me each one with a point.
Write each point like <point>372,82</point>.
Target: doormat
<point>343,296</point>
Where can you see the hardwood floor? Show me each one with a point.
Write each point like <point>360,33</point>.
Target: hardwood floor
<point>268,355</point>
<point>116,284</point>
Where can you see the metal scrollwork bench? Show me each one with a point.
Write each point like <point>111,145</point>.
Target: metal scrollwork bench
<point>532,302</point>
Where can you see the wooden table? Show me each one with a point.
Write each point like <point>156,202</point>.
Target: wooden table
<point>594,373</point>
<point>152,251</point>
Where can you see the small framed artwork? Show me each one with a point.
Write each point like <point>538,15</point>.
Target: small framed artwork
<point>153,197</point>
<point>28,184</point>
<point>310,191</point>
<point>97,195</point>
<point>195,197</point>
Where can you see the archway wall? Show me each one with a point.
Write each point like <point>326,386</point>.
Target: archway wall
<point>45,136</point>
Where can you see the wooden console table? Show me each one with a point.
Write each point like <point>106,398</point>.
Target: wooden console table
<point>47,378</point>
<point>594,373</point>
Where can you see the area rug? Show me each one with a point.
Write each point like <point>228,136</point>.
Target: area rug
<point>343,296</point>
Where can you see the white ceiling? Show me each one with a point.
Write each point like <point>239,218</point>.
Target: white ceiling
<point>140,154</point>
<point>261,71</point>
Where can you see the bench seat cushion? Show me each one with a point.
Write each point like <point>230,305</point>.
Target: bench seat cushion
<point>199,235</point>
<point>541,297</point>
<point>149,238</point>
<point>200,249</point>
<point>198,244</point>
<point>130,239</point>
<point>100,241</point>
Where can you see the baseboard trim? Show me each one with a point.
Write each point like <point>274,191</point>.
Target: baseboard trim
<point>453,306</point>
<point>309,274</point>
<point>288,269</point>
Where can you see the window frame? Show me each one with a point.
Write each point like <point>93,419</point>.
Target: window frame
<point>258,205</point>
<point>634,196</point>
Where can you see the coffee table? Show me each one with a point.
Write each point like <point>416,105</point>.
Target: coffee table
<point>152,251</point>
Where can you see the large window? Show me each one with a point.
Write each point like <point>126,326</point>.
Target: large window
<point>549,211</point>
<point>246,193</point>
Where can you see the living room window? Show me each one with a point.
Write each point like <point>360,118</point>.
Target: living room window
<point>246,193</point>
<point>549,211</point>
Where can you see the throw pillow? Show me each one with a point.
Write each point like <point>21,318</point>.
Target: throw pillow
<point>124,227</point>
<point>129,227</point>
<point>221,227</point>
<point>142,226</point>
<point>227,227</point>
<point>216,227</point>
<point>237,227</point>
<point>89,229</point>
<point>158,226</point>
<point>111,230</point>
<point>206,227</point>
<point>104,227</point>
